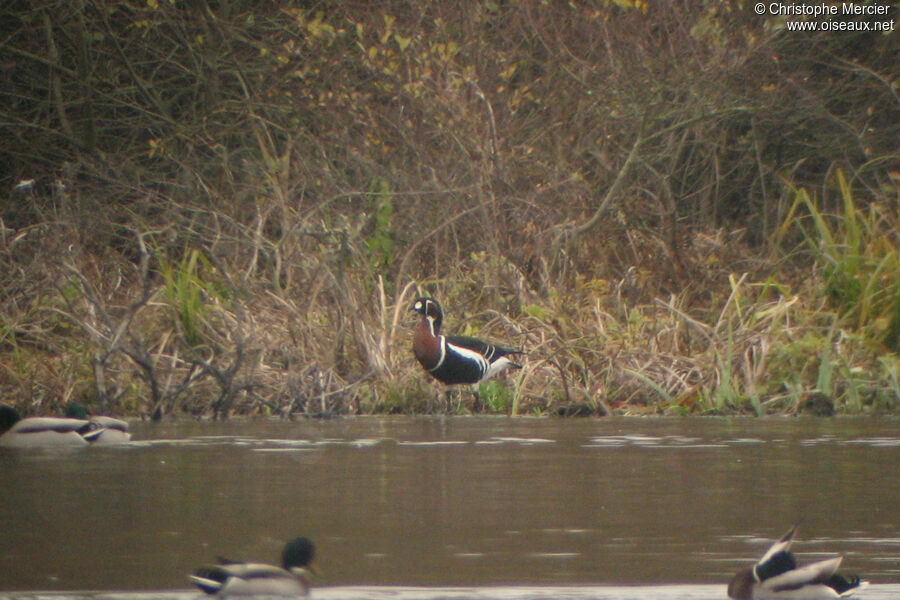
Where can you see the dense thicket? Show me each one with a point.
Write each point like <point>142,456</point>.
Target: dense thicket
<point>233,202</point>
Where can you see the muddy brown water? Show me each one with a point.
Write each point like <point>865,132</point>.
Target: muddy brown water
<point>467,507</point>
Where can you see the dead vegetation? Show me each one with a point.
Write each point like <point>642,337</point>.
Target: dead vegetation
<point>217,209</point>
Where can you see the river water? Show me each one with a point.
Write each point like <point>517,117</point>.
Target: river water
<point>467,507</point>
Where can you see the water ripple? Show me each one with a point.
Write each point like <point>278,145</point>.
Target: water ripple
<point>676,441</point>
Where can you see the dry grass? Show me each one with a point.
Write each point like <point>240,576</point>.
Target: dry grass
<point>232,210</point>
<point>765,348</point>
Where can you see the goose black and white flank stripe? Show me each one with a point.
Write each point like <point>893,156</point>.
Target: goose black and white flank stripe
<point>776,576</point>
<point>455,359</point>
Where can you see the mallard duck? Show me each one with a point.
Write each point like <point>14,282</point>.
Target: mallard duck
<point>107,431</point>
<point>17,432</point>
<point>71,431</point>
<point>777,577</point>
<point>101,430</point>
<point>230,578</point>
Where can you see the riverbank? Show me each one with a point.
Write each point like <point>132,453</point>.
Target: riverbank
<point>231,212</point>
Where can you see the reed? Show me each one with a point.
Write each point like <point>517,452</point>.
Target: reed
<point>857,251</point>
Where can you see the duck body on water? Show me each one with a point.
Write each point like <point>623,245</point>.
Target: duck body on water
<point>71,431</point>
<point>776,577</point>
<point>231,578</point>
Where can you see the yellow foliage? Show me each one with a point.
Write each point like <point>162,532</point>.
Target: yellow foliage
<point>507,74</point>
<point>157,148</point>
<point>402,42</point>
<point>317,28</point>
<point>388,28</point>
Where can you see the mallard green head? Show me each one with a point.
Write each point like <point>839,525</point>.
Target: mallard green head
<point>8,417</point>
<point>74,410</point>
<point>298,552</point>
